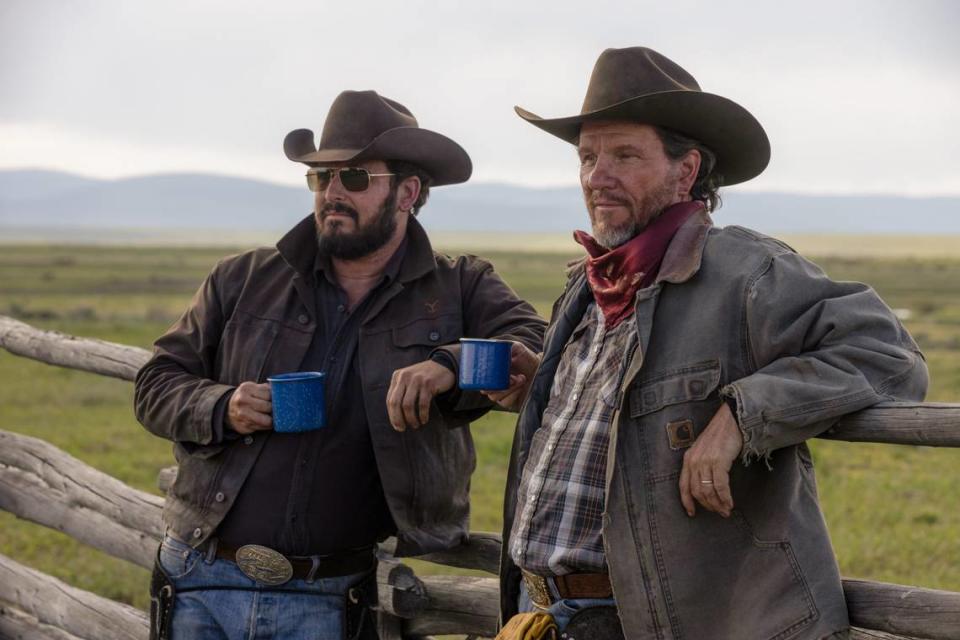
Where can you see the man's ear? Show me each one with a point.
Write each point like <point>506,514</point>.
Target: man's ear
<point>407,192</point>
<point>689,167</point>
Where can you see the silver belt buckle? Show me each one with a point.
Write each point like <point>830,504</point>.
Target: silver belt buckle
<point>264,565</point>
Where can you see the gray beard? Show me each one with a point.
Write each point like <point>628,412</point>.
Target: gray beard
<point>654,203</point>
<point>365,240</point>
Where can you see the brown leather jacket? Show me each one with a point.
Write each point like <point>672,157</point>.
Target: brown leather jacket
<point>253,317</point>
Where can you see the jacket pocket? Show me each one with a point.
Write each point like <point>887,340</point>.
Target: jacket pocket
<point>669,411</point>
<point>412,343</point>
<point>428,333</point>
<point>245,346</point>
<point>687,384</point>
<point>723,580</point>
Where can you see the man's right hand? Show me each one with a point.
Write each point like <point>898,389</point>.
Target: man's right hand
<point>523,365</point>
<point>250,409</point>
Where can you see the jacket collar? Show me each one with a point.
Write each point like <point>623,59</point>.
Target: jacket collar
<point>299,249</point>
<point>683,256</point>
<point>685,252</point>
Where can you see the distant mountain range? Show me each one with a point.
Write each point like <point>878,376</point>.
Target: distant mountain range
<point>55,200</point>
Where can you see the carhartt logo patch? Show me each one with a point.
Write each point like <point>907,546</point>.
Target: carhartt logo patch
<point>680,434</point>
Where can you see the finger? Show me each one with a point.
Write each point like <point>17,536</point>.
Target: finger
<point>495,396</point>
<point>517,381</point>
<point>685,496</point>
<point>699,488</point>
<point>512,399</point>
<point>394,412</point>
<point>261,391</point>
<point>408,407</point>
<point>498,395</point>
<point>257,419</point>
<point>263,406</point>
<point>708,493</point>
<point>424,405</point>
<point>721,483</point>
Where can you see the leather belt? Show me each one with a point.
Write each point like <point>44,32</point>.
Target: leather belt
<point>572,585</point>
<point>271,567</point>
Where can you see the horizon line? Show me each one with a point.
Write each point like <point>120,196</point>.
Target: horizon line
<point>741,188</point>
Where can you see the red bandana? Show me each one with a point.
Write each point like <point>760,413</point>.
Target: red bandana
<point>616,275</point>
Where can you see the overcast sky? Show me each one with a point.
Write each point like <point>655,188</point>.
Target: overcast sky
<point>856,97</point>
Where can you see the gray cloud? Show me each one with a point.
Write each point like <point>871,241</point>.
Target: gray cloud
<point>855,95</point>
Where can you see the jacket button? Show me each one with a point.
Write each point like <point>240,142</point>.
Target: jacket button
<point>219,497</point>
<point>434,336</point>
<point>197,532</point>
<point>303,319</point>
<point>247,439</point>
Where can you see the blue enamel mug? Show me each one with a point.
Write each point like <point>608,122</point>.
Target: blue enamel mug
<point>298,401</point>
<point>484,364</point>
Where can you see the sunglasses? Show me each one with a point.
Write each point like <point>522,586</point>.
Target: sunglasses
<point>352,178</point>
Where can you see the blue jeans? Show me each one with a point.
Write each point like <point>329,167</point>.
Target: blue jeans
<point>561,610</point>
<point>229,612</point>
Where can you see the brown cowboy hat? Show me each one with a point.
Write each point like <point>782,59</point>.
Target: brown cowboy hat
<point>363,125</point>
<point>641,85</point>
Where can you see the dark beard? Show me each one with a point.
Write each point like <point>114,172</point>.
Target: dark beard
<point>365,240</point>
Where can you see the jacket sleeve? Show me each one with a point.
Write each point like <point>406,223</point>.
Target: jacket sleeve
<point>175,392</point>
<point>819,350</point>
<point>491,309</point>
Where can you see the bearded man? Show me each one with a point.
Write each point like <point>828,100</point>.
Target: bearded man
<point>679,354</point>
<point>273,535</point>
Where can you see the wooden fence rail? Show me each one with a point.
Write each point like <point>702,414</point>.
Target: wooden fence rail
<point>919,423</point>
<point>43,484</point>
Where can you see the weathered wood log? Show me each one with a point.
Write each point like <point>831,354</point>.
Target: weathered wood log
<point>389,627</point>
<point>481,551</point>
<point>17,624</point>
<point>910,611</point>
<point>920,423</point>
<point>75,611</point>
<point>41,483</point>
<point>86,354</point>
<point>930,424</point>
<point>857,633</point>
<point>458,604</point>
<point>400,591</point>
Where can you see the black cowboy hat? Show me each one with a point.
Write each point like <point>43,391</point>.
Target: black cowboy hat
<point>640,85</point>
<point>363,125</point>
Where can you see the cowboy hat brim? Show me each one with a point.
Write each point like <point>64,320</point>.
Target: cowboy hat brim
<point>445,160</point>
<point>729,130</point>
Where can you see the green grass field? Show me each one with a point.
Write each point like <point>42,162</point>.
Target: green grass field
<point>892,510</point>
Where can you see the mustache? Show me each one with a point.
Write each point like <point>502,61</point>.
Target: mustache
<point>339,207</point>
<point>607,196</point>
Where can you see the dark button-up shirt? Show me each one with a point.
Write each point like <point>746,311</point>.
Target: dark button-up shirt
<point>300,479</point>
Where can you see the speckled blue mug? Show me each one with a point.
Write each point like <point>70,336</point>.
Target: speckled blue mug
<point>298,401</point>
<point>484,364</point>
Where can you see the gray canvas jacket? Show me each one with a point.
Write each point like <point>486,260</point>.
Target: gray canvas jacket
<point>732,313</point>
<point>253,317</point>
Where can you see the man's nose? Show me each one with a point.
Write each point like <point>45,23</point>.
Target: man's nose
<point>334,191</point>
<point>600,175</point>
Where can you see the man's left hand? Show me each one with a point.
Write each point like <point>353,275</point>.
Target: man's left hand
<point>705,476</point>
<point>412,389</point>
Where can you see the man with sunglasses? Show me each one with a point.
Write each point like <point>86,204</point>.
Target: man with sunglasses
<point>274,534</point>
<point>660,485</point>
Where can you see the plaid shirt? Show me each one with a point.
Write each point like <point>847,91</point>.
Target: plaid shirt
<point>557,525</point>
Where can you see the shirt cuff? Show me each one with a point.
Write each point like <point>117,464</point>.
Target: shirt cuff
<point>222,431</point>
<point>446,359</point>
